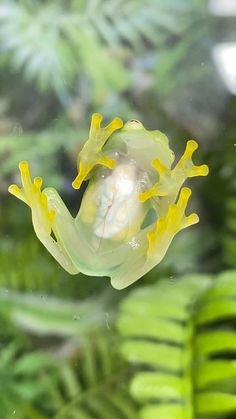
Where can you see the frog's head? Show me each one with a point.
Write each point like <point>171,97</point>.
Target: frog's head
<point>145,145</point>
<point>133,124</point>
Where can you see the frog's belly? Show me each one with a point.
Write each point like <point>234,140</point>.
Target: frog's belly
<point>111,205</point>
<point>110,219</point>
<point>116,216</point>
<point>118,210</point>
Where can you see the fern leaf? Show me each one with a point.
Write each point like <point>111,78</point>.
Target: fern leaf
<point>20,382</point>
<point>187,368</point>
<point>53,316</point>
<point>86,388</point>
<point>214,371</point>
<point>214,342</point>
<point>215,403</point>
<point>53,43</point>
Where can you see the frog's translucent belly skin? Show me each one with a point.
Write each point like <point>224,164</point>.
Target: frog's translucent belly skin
<point>115,202</point>
<point>130,179</point>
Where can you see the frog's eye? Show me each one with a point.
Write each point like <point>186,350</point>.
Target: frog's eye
<point>133,124</point>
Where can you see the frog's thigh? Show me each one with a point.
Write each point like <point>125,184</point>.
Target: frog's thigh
<point>133,266</point>
<point>127,275</point>
<point>64,230</point>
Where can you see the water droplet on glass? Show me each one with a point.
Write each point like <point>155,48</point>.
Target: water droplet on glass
<point>107,320</point>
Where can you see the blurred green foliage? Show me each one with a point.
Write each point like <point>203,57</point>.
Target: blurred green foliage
<point>184,356</point>
<point>71,347</point>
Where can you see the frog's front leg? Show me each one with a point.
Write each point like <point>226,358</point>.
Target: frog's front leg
<point>92,153</point>
<point>48,215</point>
<point>171,180</point>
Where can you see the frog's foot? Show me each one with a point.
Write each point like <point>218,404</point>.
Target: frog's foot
<point>91,154</point>
<point>85,167</point>
<point>167,227</point>
<point>83,170</point>
<point>186,164</point>
<point>171,179</point>
<point>31,194</point>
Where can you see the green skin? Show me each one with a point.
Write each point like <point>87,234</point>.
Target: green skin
<point>112,234</point>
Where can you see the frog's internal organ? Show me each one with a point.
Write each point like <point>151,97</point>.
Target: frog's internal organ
<point>118,203</point>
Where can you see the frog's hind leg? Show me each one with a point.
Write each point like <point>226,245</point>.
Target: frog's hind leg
<point>63,230</point>
<point>127,274</point>
<point>47,215</point>
<point>133,267</point>
<point>168,226</point>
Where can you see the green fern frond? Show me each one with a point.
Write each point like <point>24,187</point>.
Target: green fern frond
<point>224,168</point>
<point>180,337</point>
<point>34,34</point>
<point>19,382</point>
<point>53,43</point>
<point>41,150</point>
<point>90,386</point>
<point>229,233</point>
<point>132,22</point>
<point>43,315</point>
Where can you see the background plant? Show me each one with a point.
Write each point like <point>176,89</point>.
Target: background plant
<point>184,356</point>
<point>63,354</point>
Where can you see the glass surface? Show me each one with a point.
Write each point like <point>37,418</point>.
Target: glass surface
<point>72,346</point>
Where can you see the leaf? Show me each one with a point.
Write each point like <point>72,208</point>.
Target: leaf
<point>170,411</point>
<point>30,363</point>
<point>145,307</point>
<point>20,381</point>
<point>54,43</point>
<point>184,364</point>
<point>155,328</point>
<point>216,310</point>
<point>211,372</point>
<point>215,342</point>
<point>52,316</point>
<point>89,389</point>
<point>215,403</point>
<point>156,385</point>
<point>223,288</point>
<point>153,354</point>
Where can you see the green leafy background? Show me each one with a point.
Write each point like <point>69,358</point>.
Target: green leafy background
<point>72,347</point>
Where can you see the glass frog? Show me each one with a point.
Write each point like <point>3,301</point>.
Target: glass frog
<point>132,208</point>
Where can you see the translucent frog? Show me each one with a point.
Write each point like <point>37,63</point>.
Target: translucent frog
<point>132,208</point>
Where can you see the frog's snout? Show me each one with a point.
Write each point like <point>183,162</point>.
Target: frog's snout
<point>133,124</point>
